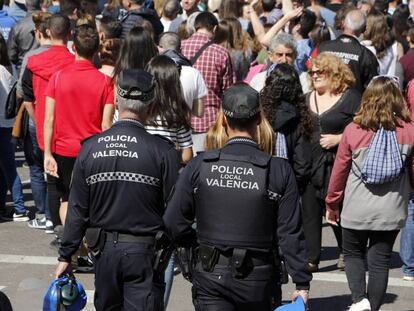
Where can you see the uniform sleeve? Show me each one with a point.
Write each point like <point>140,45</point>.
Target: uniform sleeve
<point>170,166</point>
<point>340,172</point>
<point>290,231</point>
<point>180,213</point>
<point>27,86</point>
<point>77,219</point>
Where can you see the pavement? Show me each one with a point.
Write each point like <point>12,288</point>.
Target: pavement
<point>27,264</point>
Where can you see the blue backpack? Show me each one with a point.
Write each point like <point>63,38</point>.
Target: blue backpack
<point>65,293</point>
<point>383,162</point>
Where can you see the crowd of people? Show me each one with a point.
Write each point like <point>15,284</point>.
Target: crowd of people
<point>336,101</point>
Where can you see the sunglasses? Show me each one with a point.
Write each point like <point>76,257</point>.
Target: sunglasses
<point>316,72</point>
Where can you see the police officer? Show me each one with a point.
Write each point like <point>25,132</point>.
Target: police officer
<point>242,199</point>
<point>121,180</point>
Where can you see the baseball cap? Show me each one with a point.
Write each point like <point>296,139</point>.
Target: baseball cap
<point>240,101</point>
<point>136,84</point>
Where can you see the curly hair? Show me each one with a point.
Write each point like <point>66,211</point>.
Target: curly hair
<point>109,51</point>
<point>382,104</point>
<point>339,76</point>
<point>379,33</point>
<point>217,137</point>
<point>283,84</point>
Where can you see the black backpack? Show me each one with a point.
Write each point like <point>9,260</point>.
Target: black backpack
<point>13,103</point>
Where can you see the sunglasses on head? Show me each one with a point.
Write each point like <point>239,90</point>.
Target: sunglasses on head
<point>393,79</point>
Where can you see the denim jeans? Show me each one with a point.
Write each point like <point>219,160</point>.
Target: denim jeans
<point>37,175</point>
<point>169,278</point>
<point>9,179</point>
<point>378,254</point>
<point>407,243</point>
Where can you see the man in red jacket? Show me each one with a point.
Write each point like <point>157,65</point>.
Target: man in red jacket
<point>40,68</point>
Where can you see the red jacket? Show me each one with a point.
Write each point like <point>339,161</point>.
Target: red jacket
<point>42,67</point>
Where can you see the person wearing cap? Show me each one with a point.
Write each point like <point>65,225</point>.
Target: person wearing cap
<point>121,180</point>
<point>246,204</point>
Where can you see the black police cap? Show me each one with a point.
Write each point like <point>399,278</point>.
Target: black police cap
<point>136,84</point>
<point>240,101</point>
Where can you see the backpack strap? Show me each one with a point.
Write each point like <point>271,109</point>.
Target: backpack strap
<point>200,51</point>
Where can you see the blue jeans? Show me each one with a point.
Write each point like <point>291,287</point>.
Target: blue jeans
<point>37,175</point>
<point>407,243</point>
<point>169,278</point>
<point>9,179</point>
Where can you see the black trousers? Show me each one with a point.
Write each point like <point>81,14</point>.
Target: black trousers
<point>124,279</point>
<point>220,291</point>
<point>313,210</point>
<point>378,254</point>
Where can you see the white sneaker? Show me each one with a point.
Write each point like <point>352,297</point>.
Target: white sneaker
<point>363,305</point>
<point>49,227</point>
<point>408,278</point>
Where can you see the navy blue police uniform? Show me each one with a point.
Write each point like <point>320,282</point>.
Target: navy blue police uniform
<point>247,205</point>
<point>121,180</point>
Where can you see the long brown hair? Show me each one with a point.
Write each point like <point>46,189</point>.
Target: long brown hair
<point>382,104</point>
<point>379,33</point>
<point>217,136</point>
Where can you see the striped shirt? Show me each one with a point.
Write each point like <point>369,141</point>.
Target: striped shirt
<point>180,137</point>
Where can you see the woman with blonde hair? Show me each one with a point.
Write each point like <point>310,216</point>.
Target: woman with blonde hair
<point>333,104</point>
<point>217,136</point>
<point>371,180</point>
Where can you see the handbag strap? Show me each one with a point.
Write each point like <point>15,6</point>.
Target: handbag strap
<point>200,51</point>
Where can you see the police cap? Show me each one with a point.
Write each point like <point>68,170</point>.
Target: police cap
<point>240,101</point>
<point>136,84</point>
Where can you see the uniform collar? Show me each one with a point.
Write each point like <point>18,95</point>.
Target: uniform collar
<point>130,121</point>
<point>241,140</point>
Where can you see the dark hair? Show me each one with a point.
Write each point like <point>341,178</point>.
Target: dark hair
<point>268,5</point>
<point>86,41</point>
<point>205,20</point>
<point>230,8</point>
<point>224,35</point>
<point>139,2</point>
<point>146,24</point>
<point>59,26</point>
<point>111,27</point>
<point>320,33</point>
<point>381,6</point>
<point>307,22</point>
<point>109,51</point>
<point>4,57</point>
<point>32,5</point>
<point>168,104</point>
<point>67,7</point>
<point>136,51</point>
<point>171,9</point>
<point>283,84</point>
<point>400,25</point>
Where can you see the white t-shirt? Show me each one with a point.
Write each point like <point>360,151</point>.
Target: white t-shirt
<point>6,83</point>
<point>193,85</point>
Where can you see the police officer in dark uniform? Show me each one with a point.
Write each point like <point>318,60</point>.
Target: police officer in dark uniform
<point>246,204</point>
<point>121,180</point>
